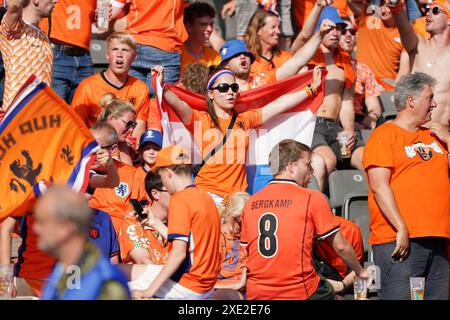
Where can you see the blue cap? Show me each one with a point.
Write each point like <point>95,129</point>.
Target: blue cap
<point>233,48</point>
<point>151,136</point>
<point>330,13</point>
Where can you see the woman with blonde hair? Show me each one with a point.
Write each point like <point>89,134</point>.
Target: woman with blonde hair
<point>232,273</point>
<point>122,117</point>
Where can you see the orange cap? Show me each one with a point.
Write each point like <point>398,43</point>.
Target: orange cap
<point>444,4</point>
<point>172,155</point>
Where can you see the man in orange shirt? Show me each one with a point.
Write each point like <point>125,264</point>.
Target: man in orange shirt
<point>194,232</point>
<point>407,169</point>
<point>378,43</point>
<point>25,48</point>
<point>199,23</point>
<point>70,34</point>
<point>159,31</point>
<point>279,224</point>
<point>120,54</point>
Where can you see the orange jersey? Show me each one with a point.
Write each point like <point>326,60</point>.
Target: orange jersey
<point>279,224</point>
<point>304,7</point>
<point>379,47</point>
<point>224,173</point>
<point>351,232</point>
<point>133,235</point>
<point>210,58</point>
<point>32,262</point>
<point>86,100</point>
<point>419,180</point>
<point>193,217</point>
<point>366,86</point>
<point>156,23</point>
<point>26,51</point>
<point>71,22</point>
<point>342,60</point>
<point>233,258</point>
<point>261,66</point>
<point>116,201</point>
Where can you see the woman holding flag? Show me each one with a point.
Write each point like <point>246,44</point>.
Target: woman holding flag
<point>222,134</point>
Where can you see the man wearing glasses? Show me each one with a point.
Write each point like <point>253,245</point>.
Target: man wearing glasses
<point>432,55</point>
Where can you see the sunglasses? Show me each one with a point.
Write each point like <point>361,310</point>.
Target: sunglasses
<point>224,87</point>
<point>435,10</point>
<point>109,146</point>
<point>130,124</point>
<point>351,30</point>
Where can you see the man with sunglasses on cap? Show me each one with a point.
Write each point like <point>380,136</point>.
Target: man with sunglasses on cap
<point>432,55</point>
<point>236,57</point>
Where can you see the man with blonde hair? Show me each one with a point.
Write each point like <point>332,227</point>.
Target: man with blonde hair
<point>121,51</point>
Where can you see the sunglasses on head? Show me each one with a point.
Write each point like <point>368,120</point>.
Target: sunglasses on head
<point>436,10</point>
<point>224,87</point>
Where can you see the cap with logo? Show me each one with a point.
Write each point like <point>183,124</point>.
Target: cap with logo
<point>172,155</point>
<point>153,136</point>
<point>233,48</point>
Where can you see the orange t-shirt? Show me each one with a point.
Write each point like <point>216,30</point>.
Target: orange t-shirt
<point>210,58</point>
<point>379,47</point>
<point>116,201</point>
<point>26,51</point>
<point>303,8</point>
<point>342,60</point>
<point>419,180</point>
<point>351,232</point>
<point>86,100</point>
<point>279,224</point>
<point>420,27</point>
<point>224,173</point>
<point>156,23</point>
<point>233,258</point>
<point>133,235</point>
<point>264,68</point>
<point>71,22</point>
<point>32,263</point>
<point>193,218</point>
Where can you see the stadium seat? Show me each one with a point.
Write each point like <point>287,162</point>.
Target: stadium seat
<point>343,182</point>
<point>366,134</point>
<point>313,184</point>
<point>387,102</point>
<point>355,209</point>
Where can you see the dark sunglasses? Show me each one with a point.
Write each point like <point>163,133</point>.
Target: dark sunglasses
<point>130,124</point>
<point>351,30</point>
<point>224,87</point>
<point>109,146</point>
<point>435,10</point>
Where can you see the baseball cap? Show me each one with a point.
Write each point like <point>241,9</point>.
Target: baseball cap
<point>172,155</point>
<point>330,13</point>
<point>444,4</point>
<point>151,136</point>
<point>232,48</point>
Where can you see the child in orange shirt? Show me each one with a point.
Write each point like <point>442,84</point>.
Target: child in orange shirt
<point>232,274</point>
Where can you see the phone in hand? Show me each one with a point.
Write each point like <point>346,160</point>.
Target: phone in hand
<point>137,207</point>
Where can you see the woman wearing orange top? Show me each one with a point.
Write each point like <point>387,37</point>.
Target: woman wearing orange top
<point>262,40</point>
<point>224,173</point>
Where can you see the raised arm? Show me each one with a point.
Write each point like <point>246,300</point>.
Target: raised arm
<point>310,24</point>
<point>290,100</point>
<point>304,54</point>
<point>379,178</point>
<point>408,36</point>
<point>358,7</point>
<point>14,13</point>
<point>183,110</point>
